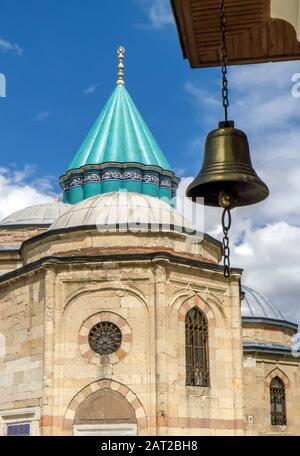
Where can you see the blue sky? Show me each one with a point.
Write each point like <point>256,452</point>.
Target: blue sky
<point>66,48</point>
<point>59,59</point>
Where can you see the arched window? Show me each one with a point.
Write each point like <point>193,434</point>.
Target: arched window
<point>278,405</point>
<point>196,348</point>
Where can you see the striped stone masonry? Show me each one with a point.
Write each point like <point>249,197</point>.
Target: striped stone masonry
<point>123,390</point>
<point>83,338</point>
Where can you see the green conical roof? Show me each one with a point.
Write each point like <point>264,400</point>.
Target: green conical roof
<point>119,153</point>
<point>120,135</point>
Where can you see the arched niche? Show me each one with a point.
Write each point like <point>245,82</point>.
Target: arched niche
<point>105,412</point>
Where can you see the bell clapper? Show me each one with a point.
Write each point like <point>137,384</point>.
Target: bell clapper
<point>226,201</point>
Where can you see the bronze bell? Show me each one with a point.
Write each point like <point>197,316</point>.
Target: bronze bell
<point>227,177</point>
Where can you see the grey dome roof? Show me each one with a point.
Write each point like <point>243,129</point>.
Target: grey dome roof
<point>256,308</point>
<point>40,214</point>
<point>255,305</point>
<point>128,209</point>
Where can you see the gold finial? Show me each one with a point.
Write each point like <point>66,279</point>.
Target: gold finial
<point>121,52</point>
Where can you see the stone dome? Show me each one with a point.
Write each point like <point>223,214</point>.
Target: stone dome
<point>40,214</point>
<point>255,305</point>
<point>124,210</point>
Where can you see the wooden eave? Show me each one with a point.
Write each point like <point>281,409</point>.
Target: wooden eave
<point>253,36</point>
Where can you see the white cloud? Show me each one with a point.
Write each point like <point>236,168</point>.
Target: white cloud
<point>19,189</point>
<point>41,116</point>
<point>260,98</point>
<point>274,76</point>
<point>269,253</point>
<point>265,238</point>
<point>158,12</point>
<point>91,89</point>
<point>7,46</point>
<point>201,95</point>
<point>270,257</point>
<point>179,172</point>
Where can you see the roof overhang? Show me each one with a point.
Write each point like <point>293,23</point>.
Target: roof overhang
<point>256,321</point>
<point>85,260</point>
<point>261,348</point>
<point>21,226</point>
<point>258,31</point>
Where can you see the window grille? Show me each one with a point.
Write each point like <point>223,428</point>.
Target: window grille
<point>105,338</point>
<point>278,404</point>
<point>196,342</point>
<point>19,429</point>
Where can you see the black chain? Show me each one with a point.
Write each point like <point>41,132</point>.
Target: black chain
<point>226,225</point>
<point>224,60</point>
<point>226,216</point>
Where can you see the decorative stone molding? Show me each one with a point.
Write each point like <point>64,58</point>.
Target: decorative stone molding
<point>83,338</point>
<point>30,415</point>
<point>179,312</point>
<point>196,301</point>
<point>129,395</point>
<point>277,373</point>
<point>102,286</point>
<point>120,172</point>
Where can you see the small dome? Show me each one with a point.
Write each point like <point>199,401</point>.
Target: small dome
<point>40,214</point>
<point>124,210</point>
<point>254,305</point>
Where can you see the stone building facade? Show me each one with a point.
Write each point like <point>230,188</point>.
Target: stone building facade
<point>72,277</point>
<point>116,317</point>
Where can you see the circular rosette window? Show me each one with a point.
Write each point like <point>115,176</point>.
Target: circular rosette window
<point>105,338</point>
<point>104,335</point>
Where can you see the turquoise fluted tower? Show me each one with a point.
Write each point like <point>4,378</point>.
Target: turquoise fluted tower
<point>119,153</point>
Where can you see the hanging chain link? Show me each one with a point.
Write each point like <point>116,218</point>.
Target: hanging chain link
<point>224,60</point>
<point>226,216</point>
<point>226,225</point>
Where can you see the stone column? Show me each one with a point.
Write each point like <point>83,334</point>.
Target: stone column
<point>47,420</point>
<point>237,354</point>
<point>161,345</point>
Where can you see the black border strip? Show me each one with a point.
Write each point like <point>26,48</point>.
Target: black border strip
<point>24,225</point>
